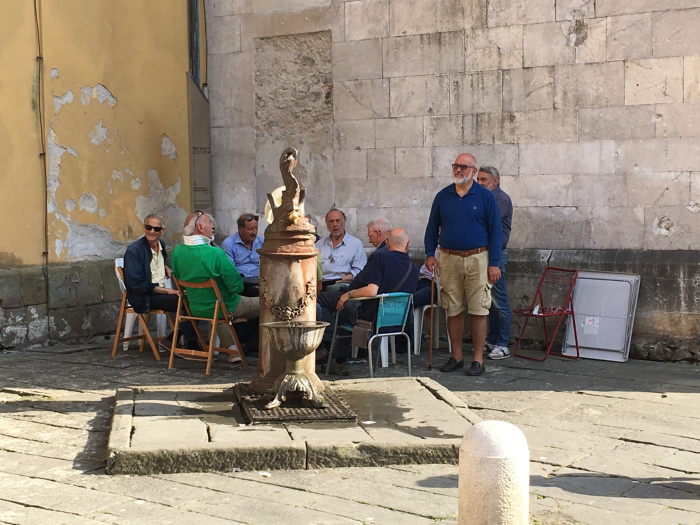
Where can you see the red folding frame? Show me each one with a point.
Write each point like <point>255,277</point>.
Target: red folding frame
<point>554,298</point>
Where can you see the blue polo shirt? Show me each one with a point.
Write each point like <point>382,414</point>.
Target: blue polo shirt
<point>466,222</point>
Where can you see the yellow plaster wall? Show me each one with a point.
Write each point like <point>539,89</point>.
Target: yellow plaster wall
<point>115,83</point>
<point>21,175</point>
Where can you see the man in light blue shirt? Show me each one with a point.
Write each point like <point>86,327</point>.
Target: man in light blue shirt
<point>342,255</point>
<point>242,246</point>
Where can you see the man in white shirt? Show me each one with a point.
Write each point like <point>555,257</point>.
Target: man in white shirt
<point>342,255</point>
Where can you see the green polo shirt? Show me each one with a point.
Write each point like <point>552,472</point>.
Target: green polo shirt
<point>196,264</point>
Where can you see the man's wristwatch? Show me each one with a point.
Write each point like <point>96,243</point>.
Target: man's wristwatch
<point>350,294</point>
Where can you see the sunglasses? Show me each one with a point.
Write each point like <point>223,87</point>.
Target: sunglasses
<point>462,166</point>
<point>250,218</point>
<point>198,216</point>
<point>156,229</point>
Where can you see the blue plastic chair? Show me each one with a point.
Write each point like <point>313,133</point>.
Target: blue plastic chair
<point>393,312</point>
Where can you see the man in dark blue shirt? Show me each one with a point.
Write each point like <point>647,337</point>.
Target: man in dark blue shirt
<point>387,272</point>
<point>499,313</point>
<point>465,220</point>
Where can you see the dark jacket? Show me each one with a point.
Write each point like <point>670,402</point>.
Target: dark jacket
<point>137,274</point>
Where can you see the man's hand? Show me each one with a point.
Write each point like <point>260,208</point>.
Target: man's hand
<point>168,272</point>
<point>347,278</point>
<point>494,274</point>
<point>431,263</point>
<point>343,299</point>
<point>170,291</point>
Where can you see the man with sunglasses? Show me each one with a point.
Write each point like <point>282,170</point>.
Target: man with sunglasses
<point>466,222</point>
<point>242,247</point>
<point>145,273</point>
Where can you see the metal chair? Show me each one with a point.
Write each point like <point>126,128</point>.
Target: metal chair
<point>419,316</point>
<point>221,316</point>
<point>554,298</point>
<point>393,312</point>
<point>126,310</point>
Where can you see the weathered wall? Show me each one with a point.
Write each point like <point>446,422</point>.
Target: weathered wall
<point>116,110</point>
<point>110,92</point>
<point>21,175</point>
<point>589,110</point>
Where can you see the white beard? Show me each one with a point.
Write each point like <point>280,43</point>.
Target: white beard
<point>462,180</point>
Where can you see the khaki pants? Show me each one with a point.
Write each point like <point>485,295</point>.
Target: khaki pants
<point>248,308</point>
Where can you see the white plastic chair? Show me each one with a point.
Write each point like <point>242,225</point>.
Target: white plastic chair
<point>161,319</point>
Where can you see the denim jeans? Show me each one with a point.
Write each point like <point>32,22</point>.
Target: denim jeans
<point>499,313</point>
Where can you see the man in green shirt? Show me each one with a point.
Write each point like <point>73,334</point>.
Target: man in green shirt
<point>196,261</point>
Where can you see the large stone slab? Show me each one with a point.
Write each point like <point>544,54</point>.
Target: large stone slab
<point>199,429</point>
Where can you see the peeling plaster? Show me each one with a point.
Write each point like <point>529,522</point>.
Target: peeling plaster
<point>694,206</point>
<point>59,102</point>
<point>164,201</point>
<point>129,172</point>
<point>102,213</point>
<point>59,247</point>
<point>136,184</point>
<point>88,202</point>
<point>663,226</point>
<point>70,204</point>
<point>54,73</point>
<point>98,135</point>
<point>117,175</point>
<point>167,148</point>
<point>86,241</point>
<point>99,92</point>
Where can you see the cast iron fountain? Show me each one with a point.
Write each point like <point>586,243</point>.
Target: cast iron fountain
<point>290,332</point>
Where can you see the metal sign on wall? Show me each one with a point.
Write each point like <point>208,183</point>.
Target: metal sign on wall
<point>200,142</point>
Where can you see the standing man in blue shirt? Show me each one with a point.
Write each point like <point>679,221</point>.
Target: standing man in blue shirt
<point>499,313</point>
<point>342,255</point>
<point>466,222</point>
<point>242,247</point>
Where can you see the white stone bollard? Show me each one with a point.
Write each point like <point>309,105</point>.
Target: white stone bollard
<point>494,475</point>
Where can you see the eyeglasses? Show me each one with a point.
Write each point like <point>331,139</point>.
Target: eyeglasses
<point>156,229</point>
<point>369,235</point>
<point>462,167</point>
<point>198,216</point>
<point>250,218</point>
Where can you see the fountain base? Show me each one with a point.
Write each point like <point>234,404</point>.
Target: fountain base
<point>254,407</point>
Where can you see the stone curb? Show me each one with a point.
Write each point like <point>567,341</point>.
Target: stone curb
<point>210,457</point>
<point>207,458</point>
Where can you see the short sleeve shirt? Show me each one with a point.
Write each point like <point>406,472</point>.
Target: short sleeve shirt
<point>157,268</point>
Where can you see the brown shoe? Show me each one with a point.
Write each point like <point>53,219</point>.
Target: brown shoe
<point>339,369</point>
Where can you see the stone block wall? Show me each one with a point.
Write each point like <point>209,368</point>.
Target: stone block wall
<point>83,301</point>
<point>588,109</point>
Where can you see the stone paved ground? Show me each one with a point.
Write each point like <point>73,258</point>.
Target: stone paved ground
<point>611,444</point>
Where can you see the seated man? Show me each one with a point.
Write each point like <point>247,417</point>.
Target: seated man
<point>342,255</point>
<point>377,232</point>
<point>390,271</point>
<point>196,261</point>
<point>242,247</point>
<point>144,276</point>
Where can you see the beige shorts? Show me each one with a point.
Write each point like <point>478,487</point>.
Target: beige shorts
<point>462,277</point>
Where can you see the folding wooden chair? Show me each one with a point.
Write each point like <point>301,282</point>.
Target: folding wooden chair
<point>553,299</point>
<point>124,310</point>
<point>219,311</point>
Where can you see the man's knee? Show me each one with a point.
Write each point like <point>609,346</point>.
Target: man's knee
<point>248,308</point>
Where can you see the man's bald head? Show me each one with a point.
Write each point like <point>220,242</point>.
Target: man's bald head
<point>398,240</point>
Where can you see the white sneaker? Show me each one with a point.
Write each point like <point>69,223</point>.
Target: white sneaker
<point>488,347</point>
<point>231,357</point>
<point>499,352</point>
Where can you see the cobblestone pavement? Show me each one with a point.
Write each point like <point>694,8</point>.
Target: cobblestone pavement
<point>610,443</point>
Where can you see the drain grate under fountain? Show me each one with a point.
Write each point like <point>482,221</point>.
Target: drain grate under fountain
<point>253,407</point>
